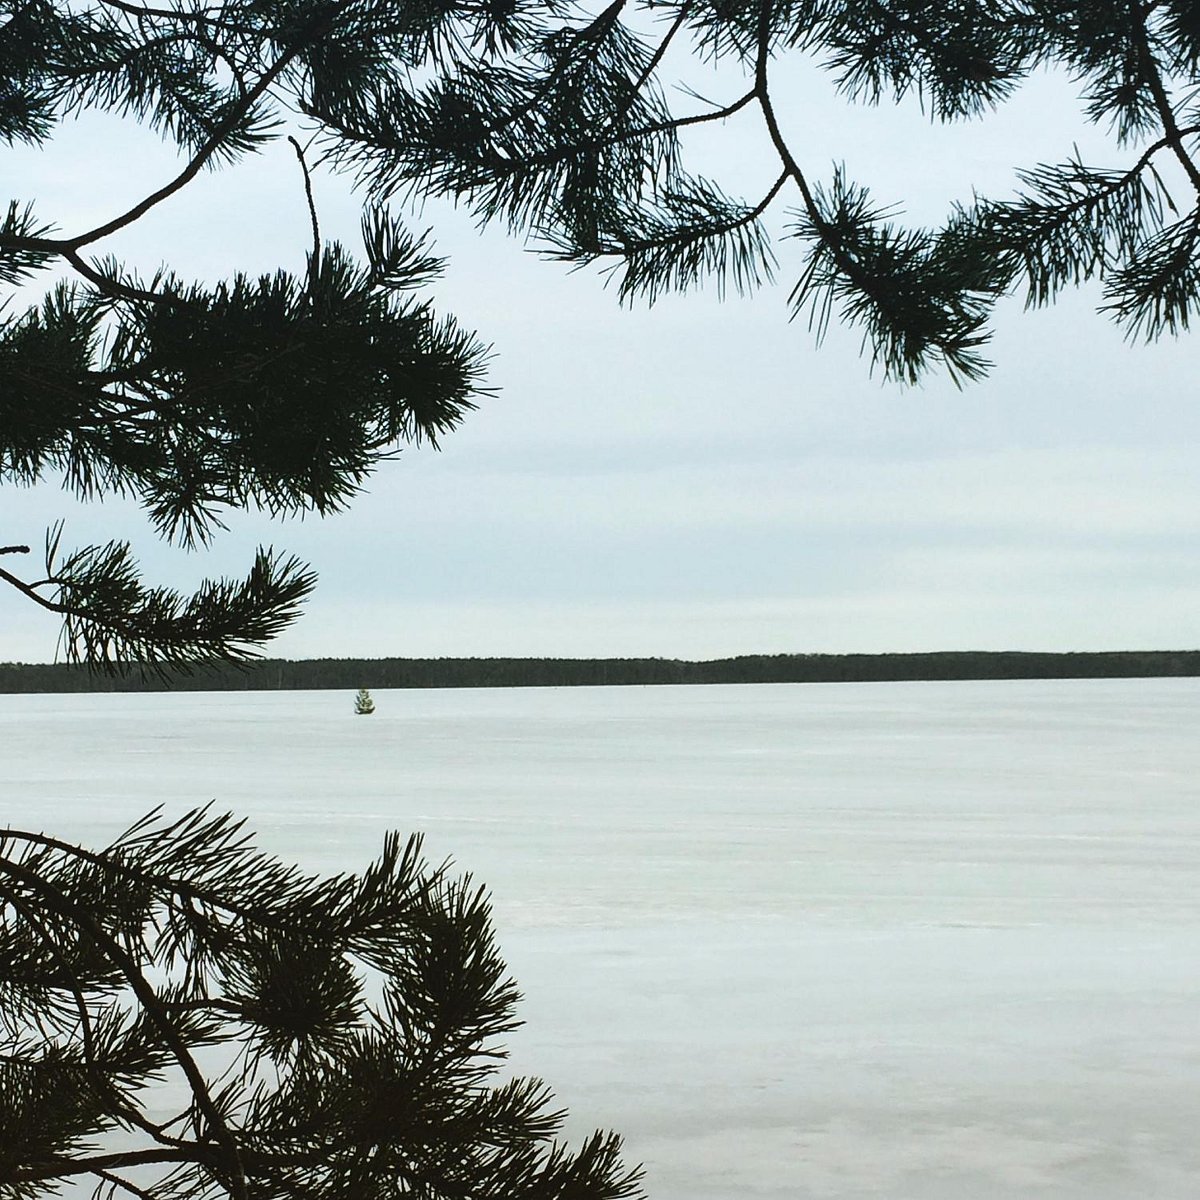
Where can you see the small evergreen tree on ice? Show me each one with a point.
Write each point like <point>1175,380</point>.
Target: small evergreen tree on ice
<point>364,706</point>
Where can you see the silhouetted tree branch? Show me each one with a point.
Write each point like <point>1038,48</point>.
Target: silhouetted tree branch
<point>564,124</point>
<point>358,1015</point>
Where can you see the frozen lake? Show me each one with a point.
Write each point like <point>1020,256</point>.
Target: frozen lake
<point>903,941</point>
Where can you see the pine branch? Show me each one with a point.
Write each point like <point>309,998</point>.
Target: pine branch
<point>694,234</point>
<point>229,1165</point>
<point>1158,289</point>
<point>111,619</point>
<point>99,1164</point>
<point>330,1092</point>
<point>1173,135</point>
<point>188,16</point>
<point>1072,223</point>
<point>206,151</point>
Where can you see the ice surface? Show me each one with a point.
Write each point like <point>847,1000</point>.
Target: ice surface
<point>915,941</point>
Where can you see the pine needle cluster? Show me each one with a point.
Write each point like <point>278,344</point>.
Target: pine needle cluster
<point>281,393</point>
<point>564,123</point>
<point>324,1037</point>
<point>564,130</point>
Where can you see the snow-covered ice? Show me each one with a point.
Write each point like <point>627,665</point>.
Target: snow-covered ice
<point>915,941</point>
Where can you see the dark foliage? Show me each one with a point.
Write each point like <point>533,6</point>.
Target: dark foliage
<point>562,123</point>
<point>335,1037</point>
<point>568,133</point>
<point>278,393</point>
<point>347,673</point>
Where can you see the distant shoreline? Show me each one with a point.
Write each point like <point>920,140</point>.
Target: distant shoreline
<point>310,674</point>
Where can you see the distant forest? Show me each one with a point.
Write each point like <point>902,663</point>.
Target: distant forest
<point>285,675</point>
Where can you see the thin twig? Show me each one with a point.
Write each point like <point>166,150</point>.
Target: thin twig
<point>672,238</point>
<point>670,124</point>
<point>314,265</point>
<point>29,591</point>
<point>198,161</point>
<point>115,287</point>
<point>61,1168</point>
<point>1174,135</point>
<point>131,1188</point>
<point>196,18</point>
<point>844,261</point>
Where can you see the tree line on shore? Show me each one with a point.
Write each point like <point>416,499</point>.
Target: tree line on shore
<point>303,674</point>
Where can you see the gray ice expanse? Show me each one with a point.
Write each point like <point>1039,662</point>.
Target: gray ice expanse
<point>910,941</point>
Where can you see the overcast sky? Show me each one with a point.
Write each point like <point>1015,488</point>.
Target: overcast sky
<point>699,480</point>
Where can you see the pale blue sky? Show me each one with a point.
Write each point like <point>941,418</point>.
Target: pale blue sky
<point>700,480</point>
